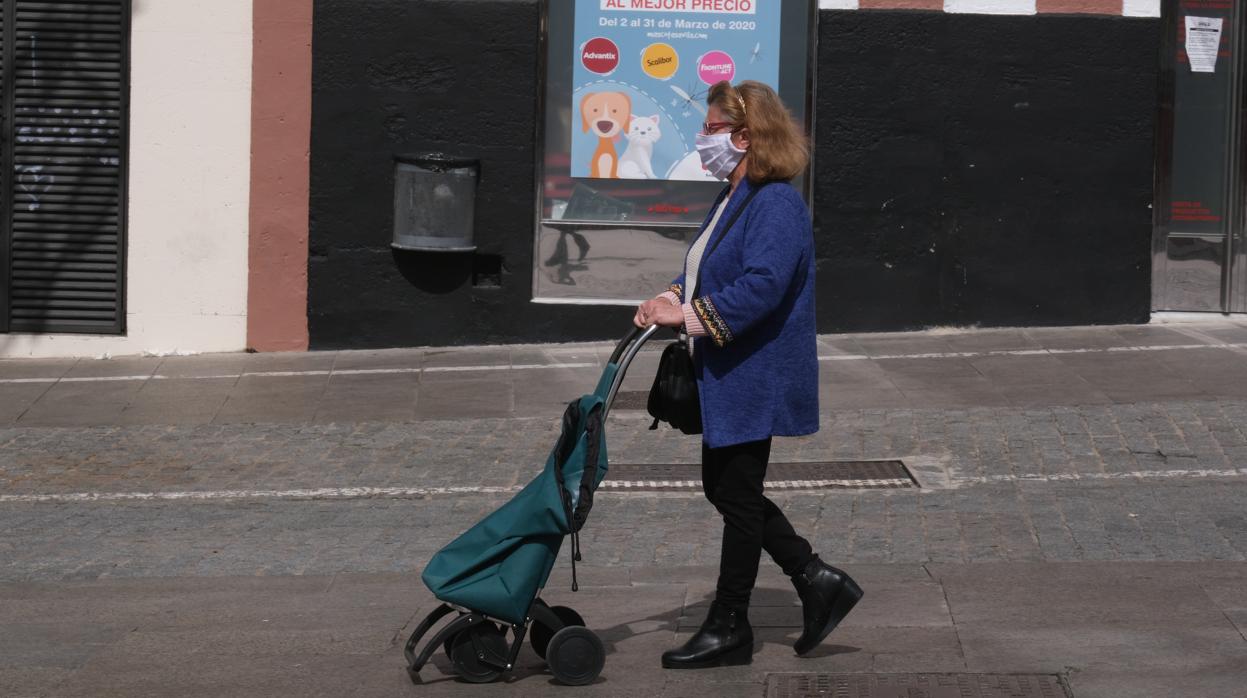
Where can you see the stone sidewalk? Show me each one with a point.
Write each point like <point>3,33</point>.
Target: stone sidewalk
<point>923,370</point>
<point>256,524</point>
<point>1105,629</point>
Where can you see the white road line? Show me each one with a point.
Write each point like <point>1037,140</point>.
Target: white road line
<point>1132,475</point>
<point>508,367</point>
<point>395,492</point>
<point>318,372</point>
<point>103,379</point>
<point>633,485</point>
<point>372,371</point>
<point>590,364</point>
<point>1029,352</point>
<point>319,493</point>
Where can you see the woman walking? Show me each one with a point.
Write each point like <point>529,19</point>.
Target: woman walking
<point>746,297</point>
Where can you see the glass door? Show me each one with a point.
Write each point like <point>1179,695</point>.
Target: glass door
<point>1198,243</point>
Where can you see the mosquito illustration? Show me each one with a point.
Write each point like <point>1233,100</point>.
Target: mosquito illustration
<point>690,98</point>
<point>756,53</point>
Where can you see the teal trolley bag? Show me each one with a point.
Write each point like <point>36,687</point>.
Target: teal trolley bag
<point>490,578</point>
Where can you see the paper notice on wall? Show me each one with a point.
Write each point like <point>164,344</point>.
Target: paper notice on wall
<point>1203,40</point>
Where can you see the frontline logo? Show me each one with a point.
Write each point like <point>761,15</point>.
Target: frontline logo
<point>714,66</point>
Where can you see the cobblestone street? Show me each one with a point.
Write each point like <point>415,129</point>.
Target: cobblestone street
<point>256,524</point>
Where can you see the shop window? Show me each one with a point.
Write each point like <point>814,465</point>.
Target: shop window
<point>622,191</point>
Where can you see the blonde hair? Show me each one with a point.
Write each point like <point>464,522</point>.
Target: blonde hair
<point>778,150</point>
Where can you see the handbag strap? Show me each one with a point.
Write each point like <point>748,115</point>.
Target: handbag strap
<point>730,222</point>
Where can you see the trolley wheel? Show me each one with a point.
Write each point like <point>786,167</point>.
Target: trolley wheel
<point>465,659</point>
<point>576,655</point>
<point>450,641</point>
<point>540,634</point>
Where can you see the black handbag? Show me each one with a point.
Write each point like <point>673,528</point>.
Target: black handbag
<point>674,398</point>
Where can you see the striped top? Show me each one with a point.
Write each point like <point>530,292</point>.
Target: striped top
<point>693,261</point>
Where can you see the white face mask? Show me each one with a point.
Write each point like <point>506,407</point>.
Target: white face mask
<point>719,155</point>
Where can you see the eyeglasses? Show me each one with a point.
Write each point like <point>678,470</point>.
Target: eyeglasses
<point>712,127</point>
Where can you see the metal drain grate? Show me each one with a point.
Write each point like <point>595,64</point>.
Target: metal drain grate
<point>916,686</point>
<point>883,474</point>
<point>630,400</point>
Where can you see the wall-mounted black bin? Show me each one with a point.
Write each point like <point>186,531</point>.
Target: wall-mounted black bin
<point>434,203</point>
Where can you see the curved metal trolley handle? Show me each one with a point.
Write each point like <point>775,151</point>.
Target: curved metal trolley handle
<point>622,357</point>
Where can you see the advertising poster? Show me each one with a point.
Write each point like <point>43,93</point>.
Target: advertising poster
<point>641,70</point>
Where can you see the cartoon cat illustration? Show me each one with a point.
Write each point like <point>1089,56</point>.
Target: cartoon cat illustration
<point>642,134</point>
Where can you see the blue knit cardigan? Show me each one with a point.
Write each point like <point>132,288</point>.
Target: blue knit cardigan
<point>757,370</point>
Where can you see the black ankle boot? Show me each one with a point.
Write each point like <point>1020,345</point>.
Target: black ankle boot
<point>827,595</point>
<point>725,639</point>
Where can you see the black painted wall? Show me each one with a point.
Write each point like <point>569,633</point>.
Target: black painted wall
<point>986,170</point>
<point>969,170</point>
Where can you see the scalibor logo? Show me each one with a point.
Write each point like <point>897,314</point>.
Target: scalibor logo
<point>660,61</point>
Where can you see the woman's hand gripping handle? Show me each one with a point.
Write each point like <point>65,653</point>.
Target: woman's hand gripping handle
<point>658,311</point>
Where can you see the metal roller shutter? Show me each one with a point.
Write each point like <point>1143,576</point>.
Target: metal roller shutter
<point>65,85</point>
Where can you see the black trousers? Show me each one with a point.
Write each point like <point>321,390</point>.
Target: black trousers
<point>732,479</point>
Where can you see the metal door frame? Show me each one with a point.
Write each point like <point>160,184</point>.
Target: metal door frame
<point>1233,286</point>
<point>1235,290</point>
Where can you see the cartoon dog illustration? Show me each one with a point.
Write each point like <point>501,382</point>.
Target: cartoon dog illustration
<point>607,114</point>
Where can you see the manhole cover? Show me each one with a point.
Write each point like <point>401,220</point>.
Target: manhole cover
<point>883,474</point>
<point>630,400</point>
<point>915,686</point>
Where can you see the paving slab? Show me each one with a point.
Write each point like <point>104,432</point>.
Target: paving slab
<point>1075,391</point>
<point>1226,332</point>
<point>81,404</point>
<point>1067,338</point>
<point>17,398</point>
<point>368,398</point>
<point>200,365</point>
<point>459,398</point>
<point>559,354</point>
<point>1009,370</point>
<point>891,344</point>
<point>928,373</point>
<point>110,368</point>
<point>839,345</point>
<point>14,369</point>
<point>178,401</point>
<point>990,340</point>
<point>547,391</point>
<point>259,398</point>
<point>477,356</point>
<point>1152,335</point>
<point>291,361</point>
<point>379,359</point>
<point>975,393</point>
<point>1140,682</point>
<point>1100,618</point>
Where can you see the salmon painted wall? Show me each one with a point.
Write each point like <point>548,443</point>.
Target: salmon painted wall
<point>281,109</point>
